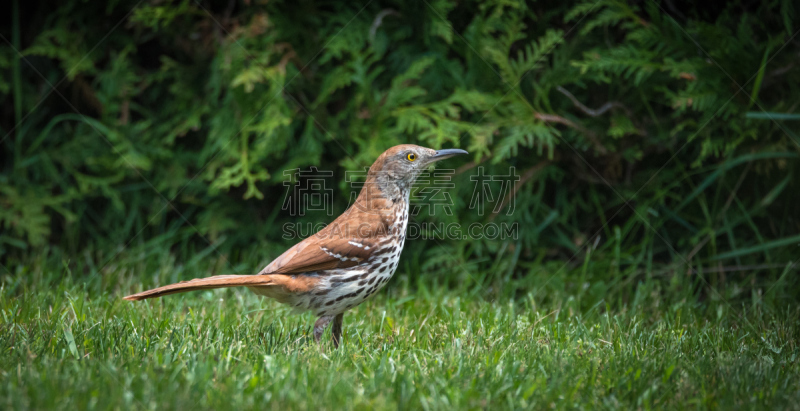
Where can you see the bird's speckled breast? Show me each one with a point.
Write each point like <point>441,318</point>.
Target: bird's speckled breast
<point>342,289</point>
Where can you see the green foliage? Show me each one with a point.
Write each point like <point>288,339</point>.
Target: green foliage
<point>639,131</point>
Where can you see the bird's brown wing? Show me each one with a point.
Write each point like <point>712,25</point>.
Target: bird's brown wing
<point>339,245</point>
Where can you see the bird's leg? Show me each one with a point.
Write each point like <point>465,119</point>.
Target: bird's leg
<point>319,326</point>
<point>336,329</point>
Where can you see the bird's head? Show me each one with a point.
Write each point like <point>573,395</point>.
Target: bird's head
<point>400,165</point>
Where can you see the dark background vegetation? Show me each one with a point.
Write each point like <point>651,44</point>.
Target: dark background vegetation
<point>654,140</point>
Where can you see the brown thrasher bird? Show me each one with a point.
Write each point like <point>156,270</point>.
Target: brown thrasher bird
<point>350,259</point>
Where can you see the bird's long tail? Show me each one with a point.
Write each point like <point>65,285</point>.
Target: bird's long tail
<point>218,281</point>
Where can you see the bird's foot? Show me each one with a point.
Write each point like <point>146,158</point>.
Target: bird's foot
<point>336,329</point>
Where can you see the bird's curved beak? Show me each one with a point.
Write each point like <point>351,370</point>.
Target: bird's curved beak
<point>447,153</point>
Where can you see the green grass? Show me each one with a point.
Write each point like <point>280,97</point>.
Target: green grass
<point>68,341</point>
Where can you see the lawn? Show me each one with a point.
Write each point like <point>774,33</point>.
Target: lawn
<point>69,341</point>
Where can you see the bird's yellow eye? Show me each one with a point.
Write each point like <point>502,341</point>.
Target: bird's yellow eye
<point>411,156</point>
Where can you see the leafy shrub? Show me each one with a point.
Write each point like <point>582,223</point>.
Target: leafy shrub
<point>643,133</point>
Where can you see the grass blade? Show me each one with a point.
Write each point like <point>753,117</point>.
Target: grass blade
<point>782,242</point>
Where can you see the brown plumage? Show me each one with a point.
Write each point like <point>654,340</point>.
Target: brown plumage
<point>350,259</point>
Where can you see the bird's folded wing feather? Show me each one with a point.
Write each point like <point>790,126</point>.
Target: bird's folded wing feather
<point>326,250</point>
